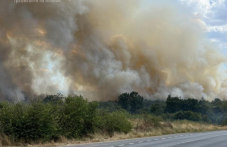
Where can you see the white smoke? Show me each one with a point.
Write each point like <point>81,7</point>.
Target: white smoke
<point>103,48</point>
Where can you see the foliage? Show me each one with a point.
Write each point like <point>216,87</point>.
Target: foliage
<point>77,117</point>
<point>28,122</point>
<point>53,98</point>
<point>72,118</point>
<point>156,109</point>
<point>188,115</point>
<point>224,123</point>
<point>174,104</point>
<point>110,106</point>
<point>151,120</point>
<point>114,121</point>
<point>206,119</point>
<point>131,102</point>
<point>209,112</point>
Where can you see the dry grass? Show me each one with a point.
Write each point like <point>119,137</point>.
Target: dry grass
<point>140,129</point>
<point>5,141</point>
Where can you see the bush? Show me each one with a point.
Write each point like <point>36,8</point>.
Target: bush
<point>115,121</point>
<point>156,109</point>
<point>150,120</point>
<point>111,106</point>
<point>168,116</point>
<point>187,115</point>
<point>72,118</point>
<point>224,123</point>
<point>28,122</point>
<point>206,119</point>
<point>45,121</point>
<point>77,117</point>
<point>40,122</point>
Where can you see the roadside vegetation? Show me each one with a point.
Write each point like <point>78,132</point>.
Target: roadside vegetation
<point>60,119</point>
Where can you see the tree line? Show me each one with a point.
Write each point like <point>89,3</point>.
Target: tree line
<point>75,117</point>
<point>173,108</point>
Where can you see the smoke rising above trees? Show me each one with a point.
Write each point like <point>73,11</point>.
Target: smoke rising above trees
<point>103,48</point>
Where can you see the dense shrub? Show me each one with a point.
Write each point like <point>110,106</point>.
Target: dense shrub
<point>206,119</point>
<point>224,123</point>
<point>40,122</point>
<point>111,106</point>
<point>45,121</point>
<point>28,122</point>
<point>115,121</point>
<point>187,115</point>
<point>175,104</point>
<point>77,117</point>
<point>156,109</point>
<point>168,116</point>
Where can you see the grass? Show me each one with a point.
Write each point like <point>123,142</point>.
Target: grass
<point>140,129</point>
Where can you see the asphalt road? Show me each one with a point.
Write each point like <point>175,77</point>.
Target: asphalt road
<point>205,139</point>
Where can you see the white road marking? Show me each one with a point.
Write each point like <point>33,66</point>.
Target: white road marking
<point>191,141</point>
<point>122,145</point>
<point>131,143</point>
<point>163,138</point>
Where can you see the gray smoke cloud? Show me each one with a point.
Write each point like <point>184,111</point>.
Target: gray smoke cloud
<point>103,48</point>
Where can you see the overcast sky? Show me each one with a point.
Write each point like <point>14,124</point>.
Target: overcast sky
<point>213,15</point>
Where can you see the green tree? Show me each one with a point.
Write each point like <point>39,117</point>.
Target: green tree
<point>189,115</point>
<point>190,105</point>
<point>173,104</point>
<point>156,109</point>
<point>77,117</point>
<point>111,106</point>
<point>131,102</point>
<point>123,100</point>
<point>53,98</point>
<point>136,102</point>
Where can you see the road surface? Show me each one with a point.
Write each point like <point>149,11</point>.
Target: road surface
<point>204,139</point>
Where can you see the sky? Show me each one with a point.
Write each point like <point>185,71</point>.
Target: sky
<point>213,16</point>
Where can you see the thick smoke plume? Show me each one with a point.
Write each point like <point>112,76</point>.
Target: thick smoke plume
<point>101,48</point>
